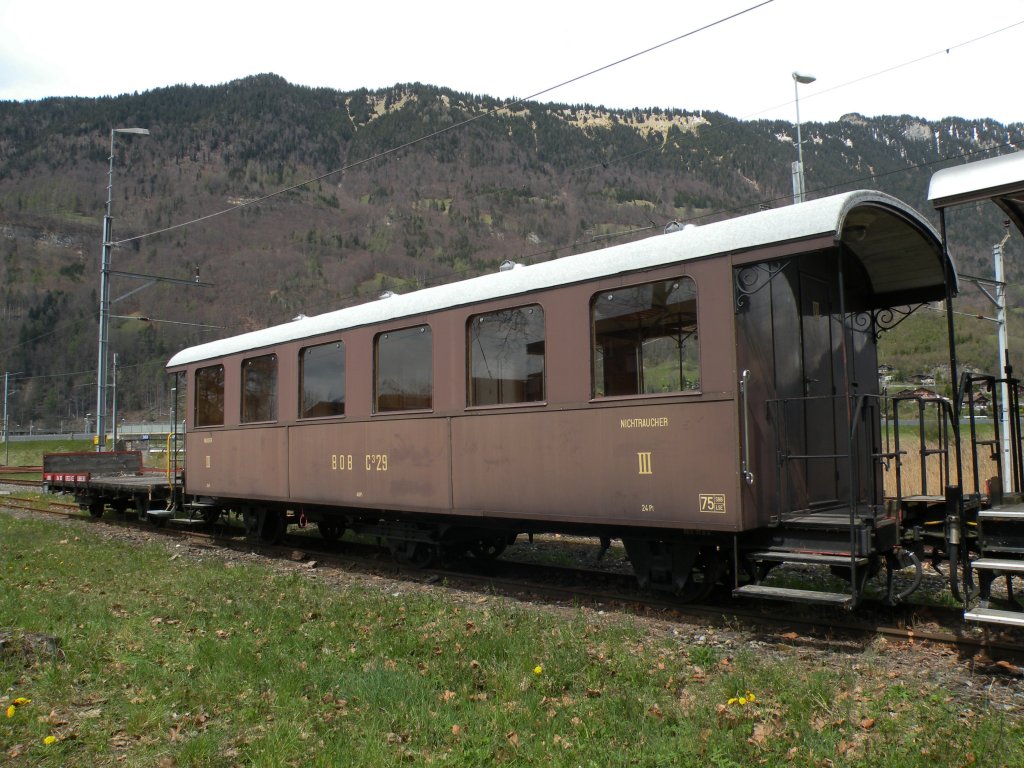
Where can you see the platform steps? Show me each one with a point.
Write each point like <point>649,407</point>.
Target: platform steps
<point>1001,536</point>
<point>808,596</point>
<point>201,511</point>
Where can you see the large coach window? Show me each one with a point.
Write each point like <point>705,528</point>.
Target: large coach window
<point>404,370</point>
<point>645,339</point>
<point>259,388</point>
<point>322,380</point>
<point>210,396</point>
<point>506,356</point>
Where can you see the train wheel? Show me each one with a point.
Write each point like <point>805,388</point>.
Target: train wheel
<point>264,525</point>
<point>330,531</point>
<point>418,554</point>
<point>96,507</point>
<point>211,515</point>
<point>707,569</point>
<point>273,526</point>
<point>487,549</point>
<point>685,568</point>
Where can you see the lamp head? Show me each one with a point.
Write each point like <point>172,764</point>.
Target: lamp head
<point>803,79</point>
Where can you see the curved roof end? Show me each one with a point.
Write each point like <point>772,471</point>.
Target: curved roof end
<point>900,251</point>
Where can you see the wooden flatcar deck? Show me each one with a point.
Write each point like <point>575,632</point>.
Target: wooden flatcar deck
<point>148,481</point>
<point>115,478</point>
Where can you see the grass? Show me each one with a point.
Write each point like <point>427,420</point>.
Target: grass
<point>29,453</point>
<point>170,661</point>
<point>933,478</point>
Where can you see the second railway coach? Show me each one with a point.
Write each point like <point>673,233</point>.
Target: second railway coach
<point>706,395</point>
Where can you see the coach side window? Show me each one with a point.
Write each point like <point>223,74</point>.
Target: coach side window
<point>506,356</point>
<point>645,339</point>
<point>210,396</point>
<point>322,380</point>
<point>259,388</point>
<point>404,379</point>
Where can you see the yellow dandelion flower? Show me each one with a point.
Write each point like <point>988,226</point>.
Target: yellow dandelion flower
<point>743,701</point>
<point>731,701</point>
<point>49,740</point>
<point>751,697</point>
<point>10,711</point>
<point>22,701</point>
<point>538,669</point>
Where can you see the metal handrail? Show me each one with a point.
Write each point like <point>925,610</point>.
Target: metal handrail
<point>748,476</point>
<point>944,418</point>
<point>993,385</point>
<point>856,423</point>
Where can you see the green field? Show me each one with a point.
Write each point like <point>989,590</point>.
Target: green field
<point>167,660</point>
<point>29,453</point>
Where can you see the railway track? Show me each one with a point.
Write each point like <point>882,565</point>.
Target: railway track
<point>20,482</point>
<point>607,590</point>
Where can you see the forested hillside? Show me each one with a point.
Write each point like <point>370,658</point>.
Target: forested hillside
<point>411,186</point>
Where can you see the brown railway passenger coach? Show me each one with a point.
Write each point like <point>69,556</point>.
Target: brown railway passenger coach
<point>709,395</point>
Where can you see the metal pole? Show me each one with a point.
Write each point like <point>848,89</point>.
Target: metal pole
<point>101,363</point>
<point>7,445</point>
<point>174,430</point>
<point>798,167</point>
<point>798,171</point>
<point>1004,362</point>
<point>113,406</point>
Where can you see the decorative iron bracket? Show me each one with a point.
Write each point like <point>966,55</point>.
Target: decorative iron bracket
<point>752,278</point>
<point>879,321</point>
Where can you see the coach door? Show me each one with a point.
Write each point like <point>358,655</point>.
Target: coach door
<point>790,342</point>
<point>815,435</point>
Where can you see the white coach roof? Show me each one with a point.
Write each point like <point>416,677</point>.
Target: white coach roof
<point>999,179</point>
<point>899,250</point>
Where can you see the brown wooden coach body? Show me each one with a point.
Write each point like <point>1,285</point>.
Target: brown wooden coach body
<point>775,423</point>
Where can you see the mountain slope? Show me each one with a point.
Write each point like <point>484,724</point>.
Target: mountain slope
<point>412,185</point>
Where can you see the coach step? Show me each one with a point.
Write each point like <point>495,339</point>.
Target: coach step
<point>834,599</point>
<point>1015,513</point>
<point>994,564</point>
<point>995,616</point>
<point>809,558</point>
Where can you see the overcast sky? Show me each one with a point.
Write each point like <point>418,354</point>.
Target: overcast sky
<point>869,56</point>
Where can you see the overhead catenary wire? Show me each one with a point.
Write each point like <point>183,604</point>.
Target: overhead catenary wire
<point>528,258</point>
<point>887,70</point>
<point>517,101</point>
<point>830,89</point>
<point>447,129</point>
<point>514,102</point>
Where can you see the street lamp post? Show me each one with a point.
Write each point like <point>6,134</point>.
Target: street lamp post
<point>798,167</point>
<point>101,364</point>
